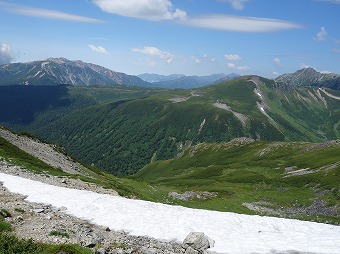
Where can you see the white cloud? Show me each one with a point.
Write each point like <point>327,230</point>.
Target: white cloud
<point>5,54</point>
<point>331,1</point>
<point>196,60</point>
<point>275,73</point>
<point>98,49</point>
<point>239,68</point>
<point>303,66</point>
<point>232,57</point>
<point>277,61</point>
<point>231,65</point>
<point>46,13</point>
<point>242,68</point>
<point>143,9</point>
<point>240,24</point>
<point>321,35</point>
<point>236,4</point>
<point>155,52</point>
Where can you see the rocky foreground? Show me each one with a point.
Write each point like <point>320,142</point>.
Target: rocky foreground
<point>44,223</point>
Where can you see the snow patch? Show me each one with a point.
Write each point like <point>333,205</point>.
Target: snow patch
<point>233,233</point>
<point>243,119</point>
<point>329,94</point>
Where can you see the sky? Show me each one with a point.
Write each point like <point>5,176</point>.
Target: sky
<point>191,37</point>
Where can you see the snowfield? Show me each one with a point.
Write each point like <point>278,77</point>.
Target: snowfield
<point>233,233</point>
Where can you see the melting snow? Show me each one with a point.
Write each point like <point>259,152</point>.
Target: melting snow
<point>233,233</point>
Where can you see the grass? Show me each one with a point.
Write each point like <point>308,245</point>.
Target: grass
<point>59,233</point>
<point>20,210</point>
<point>249,173</point>
<point>5,226</point>
<point>10,244</point>
<point>5,213</point>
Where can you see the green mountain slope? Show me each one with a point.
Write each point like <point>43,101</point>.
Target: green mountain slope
<point>123,136</point>
<point>285,179</point>
<point>289,179</point>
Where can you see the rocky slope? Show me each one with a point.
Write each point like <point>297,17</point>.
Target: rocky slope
<point>45,152</point>
<point>56,71</point>
<point>311,77</point>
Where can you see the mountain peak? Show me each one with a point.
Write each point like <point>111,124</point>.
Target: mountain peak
<point>59,60</point>
<point>311,77</point>
<point>56,71</point>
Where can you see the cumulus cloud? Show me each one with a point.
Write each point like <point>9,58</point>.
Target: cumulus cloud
<point>236,4</point>
<point>238,68</point>
<point>321,35</point>
<point>232,57</point>
<point>46,13</point>
<point>142,9</point>
<point>5,54</point>
<point>240,24</point>
<point>277,61</point>
<point>98,49</point>
<point>155,52</point>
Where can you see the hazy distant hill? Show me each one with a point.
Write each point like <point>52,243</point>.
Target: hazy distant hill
<point>311,77</point>
<point>56,71</point>
<point>153,78</point>
<point>185,82</point>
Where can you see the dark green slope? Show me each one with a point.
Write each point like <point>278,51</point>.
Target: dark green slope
<point>123,130</point>
<point>122,137</point>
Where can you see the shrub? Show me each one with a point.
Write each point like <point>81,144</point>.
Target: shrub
<point>59,233</point>
<point>4,213</point>
<point>4,226</point>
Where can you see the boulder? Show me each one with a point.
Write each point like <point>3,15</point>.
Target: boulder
<point>197,241</point>
<point>190,250</point>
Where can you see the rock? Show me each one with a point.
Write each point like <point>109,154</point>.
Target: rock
<point>107,229</point>
<point>198,241</point>
<point>190,250</point>
<point>101,251</point>
<point>38,210</point>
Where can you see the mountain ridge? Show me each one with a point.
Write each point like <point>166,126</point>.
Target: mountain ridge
<point>311,77</point>
<point>56,71</point>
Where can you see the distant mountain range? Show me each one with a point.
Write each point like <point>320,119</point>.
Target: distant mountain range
<point>183,81</point>
<point>56,71</point>
<point>311,77</point>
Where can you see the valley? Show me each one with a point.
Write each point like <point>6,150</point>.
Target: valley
<point>248,146</point>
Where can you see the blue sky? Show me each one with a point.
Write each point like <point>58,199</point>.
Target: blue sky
<point>193,37</point>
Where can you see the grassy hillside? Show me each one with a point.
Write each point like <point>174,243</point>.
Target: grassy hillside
<point>290,179</point>
<point>122,129</point>
<point>285,179</point>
